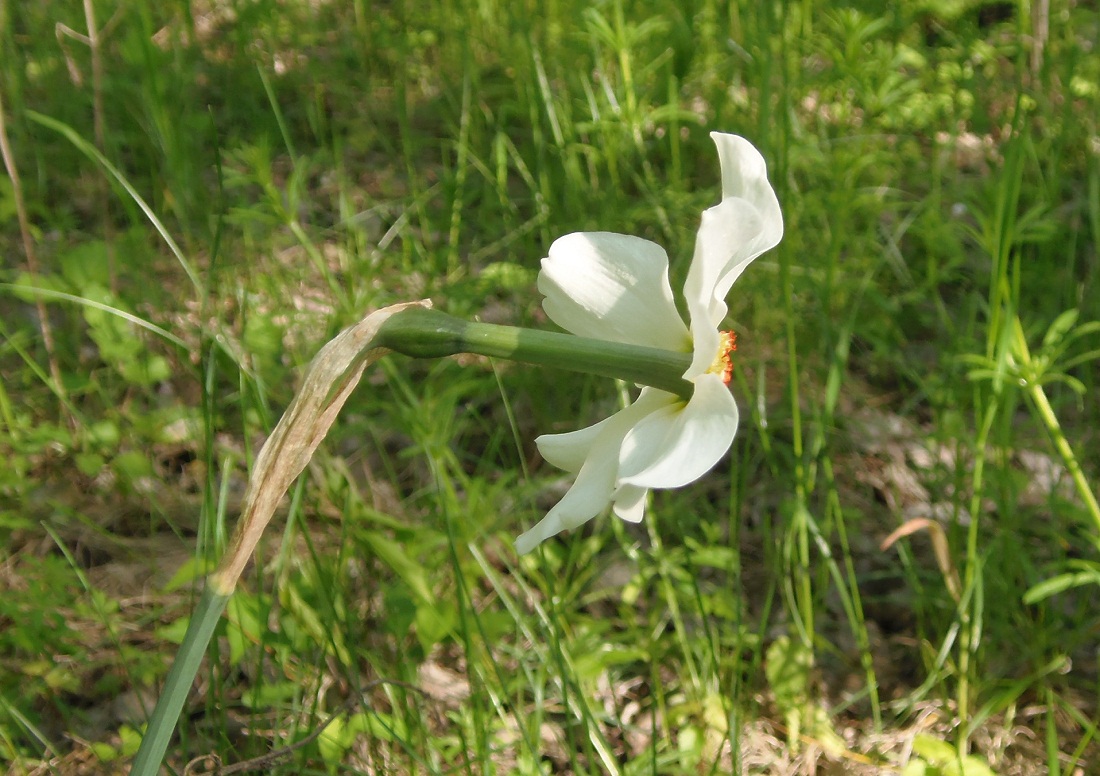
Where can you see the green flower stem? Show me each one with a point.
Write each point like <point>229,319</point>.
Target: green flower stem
<point>424,333</point>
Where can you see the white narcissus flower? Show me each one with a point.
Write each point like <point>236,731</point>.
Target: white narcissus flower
<point>615,287</point>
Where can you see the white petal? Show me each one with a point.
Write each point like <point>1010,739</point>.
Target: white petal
<point>725,244</point>
<point>746,223</point>
<point>529,540</point>
<point>629,503</point>
<point>612,287</point>
<point>727,238</point>
<point>745,176</point>
<point>674,446</point>
<point>569,451</point>
<point>589,495</point>
<point>593,453</point>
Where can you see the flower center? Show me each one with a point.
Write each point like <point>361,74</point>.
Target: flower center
<point>723,363</point>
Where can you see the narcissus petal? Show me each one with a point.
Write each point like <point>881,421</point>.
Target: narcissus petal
<point>676,445</point>
<point>612,287</point>
<point>597,449</point>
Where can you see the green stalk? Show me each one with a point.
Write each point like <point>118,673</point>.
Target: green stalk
<point>426,333</point>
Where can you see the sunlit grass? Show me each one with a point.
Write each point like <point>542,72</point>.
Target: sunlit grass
<point>311,163</point>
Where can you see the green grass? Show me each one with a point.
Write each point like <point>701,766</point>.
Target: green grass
<point>905,353</point>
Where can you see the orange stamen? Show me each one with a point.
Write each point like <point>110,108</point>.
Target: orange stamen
<point>723,363</point>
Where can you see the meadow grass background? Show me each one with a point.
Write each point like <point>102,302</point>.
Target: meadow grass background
<point>211,190</point>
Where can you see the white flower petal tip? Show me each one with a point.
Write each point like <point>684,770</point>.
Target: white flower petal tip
<point>615,287</point>
<point>528,541</point>
<point>629,503</point>
<point>745,176</point>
